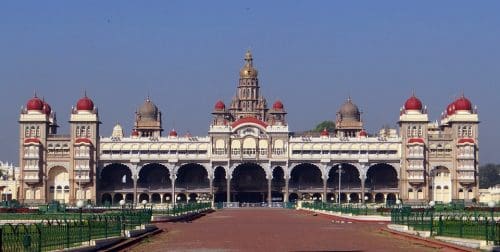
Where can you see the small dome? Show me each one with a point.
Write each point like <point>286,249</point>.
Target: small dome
<point>413,103</point>
<point>278,105</point>
<point>463,103</point>
<point>34,103</point>
<point>219,105</point>
<point>46,108</point>
<point>117,131</point>
<point>85,103</point>
<point>363,133</point>
<point>135,133</point>
<point>172,133</point>
<point>248,71</point>
<point>148,110</point>
<point>325,132</point>
<point>349,111</point>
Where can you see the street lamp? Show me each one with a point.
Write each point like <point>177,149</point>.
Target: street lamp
<point>122,205</point>
<point>80,204</point>
<point>144,202</point>
<point>432,203</point>
<point>491,205</point>
<point>340,179</point>
<point>398,203</point>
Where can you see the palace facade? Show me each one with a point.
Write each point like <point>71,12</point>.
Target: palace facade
<point>249,155</point>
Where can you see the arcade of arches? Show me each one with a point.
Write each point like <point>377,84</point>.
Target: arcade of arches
<point>246,182</point>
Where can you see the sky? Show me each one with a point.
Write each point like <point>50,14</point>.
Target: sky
<point>186,55</point>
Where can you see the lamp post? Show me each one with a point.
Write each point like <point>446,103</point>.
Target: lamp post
<point>340,179</point>
<point>431,205</point>
<point>366,207</point>
<point>122,205</point>
<point>144,202</point>
<point>491,205</point>
<point>80,204</point>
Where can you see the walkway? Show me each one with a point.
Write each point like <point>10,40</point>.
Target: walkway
<point>273,230</point>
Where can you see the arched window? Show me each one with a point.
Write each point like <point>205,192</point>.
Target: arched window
<point>37,131</point>
<point>77,132</point>
<point>27,131</point>
<point>88,131</point>
<point>32,131</point>
<point>470,131</point>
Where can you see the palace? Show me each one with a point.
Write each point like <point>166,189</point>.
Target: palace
<point>249,155</point>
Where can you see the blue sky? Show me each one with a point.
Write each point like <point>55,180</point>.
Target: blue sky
<point>310,54</point>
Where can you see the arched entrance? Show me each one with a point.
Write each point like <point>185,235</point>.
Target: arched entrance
<point>106,199</point>
<point>220,184</point>
<point>381,177</point>
<point>306,178</point>
<point>293,197</point>
<point>192,177</point>
<point>154,178</point>
<point>249,183</point>
<point>441,184</point>
<point>116,178</point>
<point>58,183</point>
<point>349,179</point>
<point>277,184</point>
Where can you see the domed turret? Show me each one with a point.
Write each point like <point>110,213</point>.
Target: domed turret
<point>450,109</point>
<point>172,133</point>
<point>148,110</point>
<point>363,133</point>
<point>117,131</point>
<point>325,133</point>
<point>463,104</point>
<point>278,105</point>
<point>85,104</point>
<point>219,106</point>
<point>248,71</point>
<point>413,103</point>
<point>349,111</point>
<point>34,103</point>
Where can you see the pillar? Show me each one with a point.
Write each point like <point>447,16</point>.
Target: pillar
<point>363,178</point>
<point>285,197</point>
<point>385,197</point>
<point>269,197</point>
<point>211,184</point>
<point>323,198</point>
<point>161,198</point>
<point>228,184</point>
<point>174,197</point>
<point>135,188</point>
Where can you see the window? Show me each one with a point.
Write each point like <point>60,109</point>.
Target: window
<point>27,131</point>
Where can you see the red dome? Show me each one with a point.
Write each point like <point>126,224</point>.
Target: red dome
<point>413,103</point>
<point>34,104</point>
<point>135,133</point>
<point>325,132</point>
<point>278,105</point>
<point>463,103</point>
<point>172,133</point>
<point>85,103</point>
<point>219,105</point>
<point>450,110</point>
<point>46,108</point>
<point>363,133</point>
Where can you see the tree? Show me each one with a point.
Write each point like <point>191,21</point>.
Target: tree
<point>329,125</point>
<point>489,175</point>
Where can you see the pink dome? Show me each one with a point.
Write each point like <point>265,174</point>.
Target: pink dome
<point>85,103</point>
<point>413,103</point>
<point>34,103</point>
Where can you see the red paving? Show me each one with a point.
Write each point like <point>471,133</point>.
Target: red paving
<point>275,230</point>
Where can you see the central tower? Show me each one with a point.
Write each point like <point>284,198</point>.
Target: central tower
<point>248,101</point>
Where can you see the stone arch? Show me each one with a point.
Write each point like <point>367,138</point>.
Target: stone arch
<point>115,176</point>
<point>220,184</point>
<point>192,176</point>
<point>116,198</point>
<point>106,198</point>
<point>349,176</point>
<point>249,183</point>
<point>154,176</point>
<point>441,179</point>
<point>143,196</point>
<point>155,198</point>
<point>381,176</point>
<point>277,183</point>
<point>293,197</point>
<point>58,178</point>
<point>306,175</point>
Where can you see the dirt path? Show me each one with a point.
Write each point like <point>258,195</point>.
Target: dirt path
<point>273,230</point>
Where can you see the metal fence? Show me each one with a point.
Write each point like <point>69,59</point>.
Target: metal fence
<point>57,234</point>
<point>346,208</point>
<point>464,225</point>
<point>181,209</point>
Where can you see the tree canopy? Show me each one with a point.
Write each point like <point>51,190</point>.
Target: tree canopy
<point>489,175</point>
<point>329,125</point>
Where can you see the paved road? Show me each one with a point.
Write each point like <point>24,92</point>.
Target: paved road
<point>273,230</point>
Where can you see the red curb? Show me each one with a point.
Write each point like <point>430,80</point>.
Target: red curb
<point>430,241</point>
